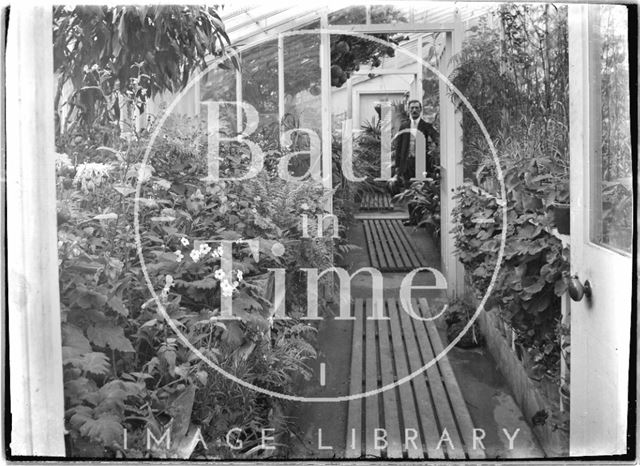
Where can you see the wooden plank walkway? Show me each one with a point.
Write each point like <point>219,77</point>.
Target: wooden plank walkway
<point>376,200</point>
<point>389,247</point>
<point>424,418</point>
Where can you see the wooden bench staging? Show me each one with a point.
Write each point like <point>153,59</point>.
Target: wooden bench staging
<point>376,200</point>
<point>389,247</point>
<point>384,351</point>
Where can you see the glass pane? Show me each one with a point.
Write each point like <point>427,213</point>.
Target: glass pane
<point>302,99</point>
<point>432,48</point>
<point>219,84</point>
<point>612,224</point>
<point>260,90</point>
<point>260,79</point>
<point>348,15</point>
<point>388,14</point>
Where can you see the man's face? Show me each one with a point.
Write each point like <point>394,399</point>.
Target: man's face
<point>415,110</point>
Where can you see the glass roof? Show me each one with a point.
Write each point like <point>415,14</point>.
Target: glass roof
<point>246,22</point>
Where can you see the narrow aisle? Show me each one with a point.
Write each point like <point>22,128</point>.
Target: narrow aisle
<point>434,415</point>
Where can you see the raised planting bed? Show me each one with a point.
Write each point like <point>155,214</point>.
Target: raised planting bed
<point>539,399</point>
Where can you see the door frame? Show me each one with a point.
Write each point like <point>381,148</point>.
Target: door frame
<point>450,129</point>
<point>357,93</point>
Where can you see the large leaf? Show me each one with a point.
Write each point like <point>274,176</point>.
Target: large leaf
<point>95,363</point>
<point>74,343</point>
<point>81,414</point>
<point>89,299</point>
<point>106,429</point>
<point>535,287</point>
<point>180,410</point>
<point>539,303</point>
<point>111,396</point>
<point>233,335</point>
<point>207,283</point>
<point>125,190</point>
<point>115,303</point>
<point>76,390</point>
<point>107,335</point>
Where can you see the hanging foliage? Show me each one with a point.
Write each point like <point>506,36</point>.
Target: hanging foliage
<point>137,51</point>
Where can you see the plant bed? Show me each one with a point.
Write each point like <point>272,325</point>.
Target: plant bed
<point>456,317</point>
<point>539,399</point>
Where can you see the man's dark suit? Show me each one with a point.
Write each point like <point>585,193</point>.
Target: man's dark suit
<point>404,163</point>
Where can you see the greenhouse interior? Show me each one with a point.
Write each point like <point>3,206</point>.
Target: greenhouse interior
<point>370,231</point>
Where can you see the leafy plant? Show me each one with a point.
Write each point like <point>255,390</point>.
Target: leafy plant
<point>123,365</point>
<point>113,55</point>
<point>532,274</point>
<point>457,316</point>
<point>423,199</point>
<point>516,77</point>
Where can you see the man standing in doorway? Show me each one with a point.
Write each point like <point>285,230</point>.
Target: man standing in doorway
<point>408,145</point>
<point>404,164</point>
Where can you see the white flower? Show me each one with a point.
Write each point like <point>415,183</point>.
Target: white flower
<point>179,256</point>
<point>90,175</point>
<point>204,249</point>
<point>184,241</point>
<point>217,252</point>
<point>140,171</point>
<point>227,288</point>
<point>195,255</point>
<point>63,161</point>
<point>239,274</point>
<point>168,284</point>
<point>218,274</point>
<point>197,196</point>
<point>161,184</point>
<point>304,206</point>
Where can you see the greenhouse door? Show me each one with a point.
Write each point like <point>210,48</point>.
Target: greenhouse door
<point>600,234</point>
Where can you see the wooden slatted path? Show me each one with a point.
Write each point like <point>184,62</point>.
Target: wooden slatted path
<point>424,418</point>
<point>389,247</point>
<point>376,200</point>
